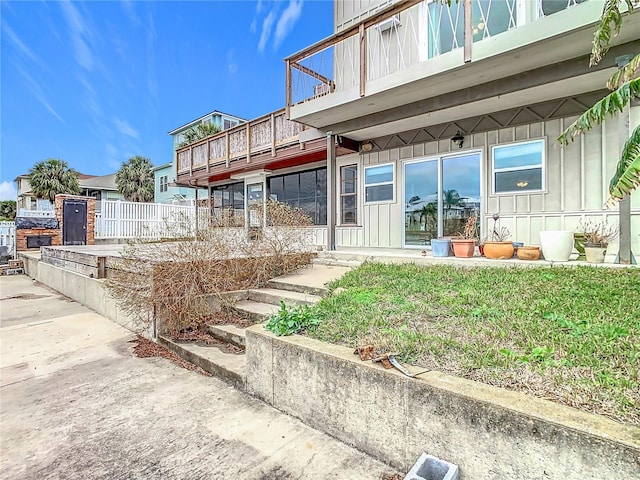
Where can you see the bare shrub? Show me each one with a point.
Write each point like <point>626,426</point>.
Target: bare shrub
<point>174,280</point>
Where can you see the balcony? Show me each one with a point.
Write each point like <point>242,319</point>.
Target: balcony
<point>414,50</point>
<point>248,143</point>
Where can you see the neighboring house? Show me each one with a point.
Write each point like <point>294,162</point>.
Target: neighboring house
<point>166,190</point>
<point>221,120</point>
<point>419,121</point>
<point>99,187</point>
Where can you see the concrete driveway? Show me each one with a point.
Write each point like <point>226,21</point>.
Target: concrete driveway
<point>76,404</point>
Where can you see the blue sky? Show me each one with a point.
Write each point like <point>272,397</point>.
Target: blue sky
<point>95,82</point>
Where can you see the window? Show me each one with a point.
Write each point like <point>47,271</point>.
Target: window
<point>228,203</point>
<point>349,195</point>
<point>378,183</point>
<point>305,190</point>
<point>518,167</point>
<point>229,124</point>
<point>164,183</point>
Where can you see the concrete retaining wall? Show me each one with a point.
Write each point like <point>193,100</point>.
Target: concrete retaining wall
<point>491,433</point>
<point>90,292</point>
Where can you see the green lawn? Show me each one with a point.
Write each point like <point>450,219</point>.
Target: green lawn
<point>571,335</point>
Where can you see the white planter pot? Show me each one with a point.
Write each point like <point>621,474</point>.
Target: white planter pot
<point>556,245</point>
<point>595,254</point>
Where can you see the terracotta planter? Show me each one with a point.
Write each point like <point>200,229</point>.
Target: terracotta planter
<point>594,253</point>
<point>529,253</point>
<point>498,250</point>
<point>463,248</point>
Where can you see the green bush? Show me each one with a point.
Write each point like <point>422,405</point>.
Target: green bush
<point>291,320</point>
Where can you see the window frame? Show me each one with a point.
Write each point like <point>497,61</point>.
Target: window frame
<point>353,194</point>
<point>164,183</point>
<point>541,166</point>
<point>392,183</point>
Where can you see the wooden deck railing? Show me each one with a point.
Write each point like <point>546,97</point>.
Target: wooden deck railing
<point>264,134</point>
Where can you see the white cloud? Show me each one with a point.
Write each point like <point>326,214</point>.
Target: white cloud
<point>8,191</point>
<point>287,20</point>
<point>267,25</point>
<point>80,34</point>
<point>232,66</point>
<point>22,48</point>
<point>130,12</point>
<point>125,129</point>
<point>37,92</point>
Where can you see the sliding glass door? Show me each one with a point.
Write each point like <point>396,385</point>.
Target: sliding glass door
<point>440,194</point>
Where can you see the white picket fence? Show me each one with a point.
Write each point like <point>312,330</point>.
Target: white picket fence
<point>127,220</point>
<point>8,236</point>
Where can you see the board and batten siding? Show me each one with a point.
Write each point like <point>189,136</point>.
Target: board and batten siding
<point>576,185</point>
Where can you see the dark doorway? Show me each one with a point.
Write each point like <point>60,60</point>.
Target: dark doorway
<point>74,222</point>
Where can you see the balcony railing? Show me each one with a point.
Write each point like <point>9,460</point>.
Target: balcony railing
<point>404,34</point>
<point>264,134</point>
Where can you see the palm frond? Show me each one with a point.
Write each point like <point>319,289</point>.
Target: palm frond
<point>627,73</point>
<point>613,103</point>
<point>609,25</point>
<point>627,176</point>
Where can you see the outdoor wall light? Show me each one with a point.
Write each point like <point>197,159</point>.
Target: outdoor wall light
<point>366,146</point>
<point>458,139</point>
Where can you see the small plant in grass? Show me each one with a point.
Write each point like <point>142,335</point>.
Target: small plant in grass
<point>291,320</point>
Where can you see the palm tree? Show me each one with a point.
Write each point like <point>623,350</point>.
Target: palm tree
<point>135,179</point>
<point>450,198</point>
<point>200,131</point>
<point>51,177</point>
<point>8,210</point>
<point>624,86</point>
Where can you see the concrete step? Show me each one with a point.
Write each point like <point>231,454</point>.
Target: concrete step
<point>229,334</point>
<point>336,262</point>
<point>273,296</point>
<point>230,367</point>
<point>256,311</point>
<point>291,286</point>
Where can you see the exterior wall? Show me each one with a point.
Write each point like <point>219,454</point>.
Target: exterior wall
<point>56,234</point>
<point>576,181</point>
<point>172,192</point>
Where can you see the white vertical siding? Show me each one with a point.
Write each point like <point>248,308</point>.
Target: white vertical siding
<point>576,184</point>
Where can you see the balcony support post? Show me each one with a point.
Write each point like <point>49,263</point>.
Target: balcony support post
<point>208,154</point>
<point>288,92</point>
<point>273,135</point>
<point>363,59</point>
<point>227,147</point>
<point>331,191</point>
<point>191,160</point>
<point>248,142</point>
<point>468,31</point>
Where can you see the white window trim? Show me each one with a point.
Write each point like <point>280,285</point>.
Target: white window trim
<point>356,194</point>
<point>542,165</point>
<point>392,183</point>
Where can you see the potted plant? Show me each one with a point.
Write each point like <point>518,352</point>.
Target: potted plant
<point>497,246</point>
<point>465,243</point>
<point>528,252</point>
<point>556,245</point>
<point>441,247</point>
<point>597,236</point>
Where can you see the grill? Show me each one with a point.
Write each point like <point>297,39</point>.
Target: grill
<point>37,241</point>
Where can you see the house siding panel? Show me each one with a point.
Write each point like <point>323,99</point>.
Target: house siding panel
<point>576,183</point>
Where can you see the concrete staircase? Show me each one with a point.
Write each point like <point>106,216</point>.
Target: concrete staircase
<point>304,287</point>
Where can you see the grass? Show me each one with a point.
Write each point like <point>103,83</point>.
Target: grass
<point>571,335</point>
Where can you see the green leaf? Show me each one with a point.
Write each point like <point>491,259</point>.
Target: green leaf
<point>609,25</point>
<point>627,73</point>
<point>627,176</point>
<point>610,105</point>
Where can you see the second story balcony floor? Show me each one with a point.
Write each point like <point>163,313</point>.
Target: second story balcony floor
<point>392,54</point>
